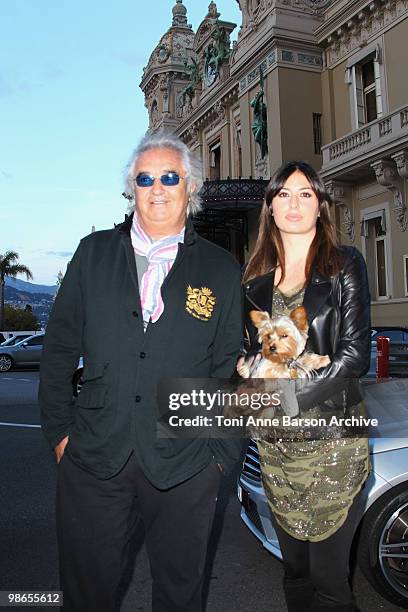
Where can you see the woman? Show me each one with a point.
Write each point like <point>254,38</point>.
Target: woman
<point>313,486</point>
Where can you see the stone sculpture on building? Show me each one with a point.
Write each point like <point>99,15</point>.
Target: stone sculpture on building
<point>186,96</point>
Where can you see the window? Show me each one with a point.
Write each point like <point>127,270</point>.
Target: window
<point>374,233</point>
<point>381,262</point>
<point>366,91</point>
<point>154,112</point>
<point>36,341</point>
<point>215,161</point>
<point>236,137</point>
<point>238,153</point>
<point>366,78</point>
<point>317,133</point>
<point>15,340</point>
<point>369,95</point>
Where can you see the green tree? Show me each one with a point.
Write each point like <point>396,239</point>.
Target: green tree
<point>19,319</point>
<point>9,267</point>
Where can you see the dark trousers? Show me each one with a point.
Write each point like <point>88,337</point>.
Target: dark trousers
<point>320,569</point>
<point>96,519</point>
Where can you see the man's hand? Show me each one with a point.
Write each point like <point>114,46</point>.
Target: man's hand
<point>60,448</point>
<point>244,366</point>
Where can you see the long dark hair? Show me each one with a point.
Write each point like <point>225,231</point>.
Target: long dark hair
<point>269,252</point>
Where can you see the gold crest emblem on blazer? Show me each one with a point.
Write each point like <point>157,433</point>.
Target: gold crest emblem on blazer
<point>200,302</point>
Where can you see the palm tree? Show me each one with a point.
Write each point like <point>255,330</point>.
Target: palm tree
<point>10,267</point>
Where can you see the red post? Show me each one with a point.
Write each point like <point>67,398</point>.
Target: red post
<point>383,354</point>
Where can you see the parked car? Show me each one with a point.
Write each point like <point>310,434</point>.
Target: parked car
<point>395,334</point>
<point>381,538</point>
<point>398,362</point>
<point>15,339</point>
<point>25,353</point>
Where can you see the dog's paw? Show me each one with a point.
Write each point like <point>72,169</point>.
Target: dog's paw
<point>325,361</point>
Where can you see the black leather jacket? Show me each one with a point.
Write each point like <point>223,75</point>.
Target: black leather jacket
<point>338,310</point>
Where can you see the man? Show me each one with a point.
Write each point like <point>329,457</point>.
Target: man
<point>126,305</point>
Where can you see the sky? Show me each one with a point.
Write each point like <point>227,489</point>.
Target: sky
<point>71,112</point>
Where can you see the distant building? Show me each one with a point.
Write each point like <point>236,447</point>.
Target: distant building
<point>318,80</point>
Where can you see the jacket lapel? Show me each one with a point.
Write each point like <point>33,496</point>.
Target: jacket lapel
<point>258,292</point>
<point>125,229</point>
<point>316,293</point>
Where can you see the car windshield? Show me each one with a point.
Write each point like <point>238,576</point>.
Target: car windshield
<point>14,340</point>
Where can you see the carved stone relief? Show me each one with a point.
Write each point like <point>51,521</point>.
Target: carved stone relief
<point>194,135</point>
<point>387,174</point>
<point>341,194</point>
<point>164,86</point>
<point>184,105</point>
<point>220,110</point>
<point>361,27</point>
<point>261,165</point>
<point>202,33</point>
<point>401,160</point>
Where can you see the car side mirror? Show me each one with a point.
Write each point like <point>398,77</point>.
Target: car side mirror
<point>25,344</point>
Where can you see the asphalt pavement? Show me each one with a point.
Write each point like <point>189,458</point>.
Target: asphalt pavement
<point>241,575</point>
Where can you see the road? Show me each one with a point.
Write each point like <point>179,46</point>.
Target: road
<point>241,575</point>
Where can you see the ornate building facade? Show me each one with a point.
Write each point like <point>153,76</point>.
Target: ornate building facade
<point>320,80</point>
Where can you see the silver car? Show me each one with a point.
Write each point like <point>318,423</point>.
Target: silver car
<point>14,340</point>
<point>25,353</point>
<point>382,533</point>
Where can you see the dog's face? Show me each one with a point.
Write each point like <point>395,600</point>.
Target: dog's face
<point>283,338</point>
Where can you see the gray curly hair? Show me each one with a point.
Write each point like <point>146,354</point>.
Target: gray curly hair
<point>191,163</point>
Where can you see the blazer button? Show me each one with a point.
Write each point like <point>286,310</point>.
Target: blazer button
<point>135,313</point>
<point>142,355</point>
<point>138,398</point>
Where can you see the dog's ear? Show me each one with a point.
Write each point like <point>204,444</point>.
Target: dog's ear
<point>258,318</point>
<point>299,317</point>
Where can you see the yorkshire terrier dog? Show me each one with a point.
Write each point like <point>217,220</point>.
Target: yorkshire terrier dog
<point>283,357</point>
<point>283,344</point>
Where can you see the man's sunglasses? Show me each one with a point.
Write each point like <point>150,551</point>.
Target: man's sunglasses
<point>169,179</point>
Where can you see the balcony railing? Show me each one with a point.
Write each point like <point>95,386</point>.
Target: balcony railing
<point>374,137</point>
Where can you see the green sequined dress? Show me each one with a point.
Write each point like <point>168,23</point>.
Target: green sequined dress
<point>310,485</point>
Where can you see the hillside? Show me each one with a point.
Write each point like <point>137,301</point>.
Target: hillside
<point>40,302</point>
<point>30,287</point>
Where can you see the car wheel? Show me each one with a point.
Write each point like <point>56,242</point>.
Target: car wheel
<point>77,383</point>
<point>6,363</point>
<point>383,546</point>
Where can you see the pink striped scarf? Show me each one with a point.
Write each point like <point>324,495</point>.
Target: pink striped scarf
<point>160,255</point>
